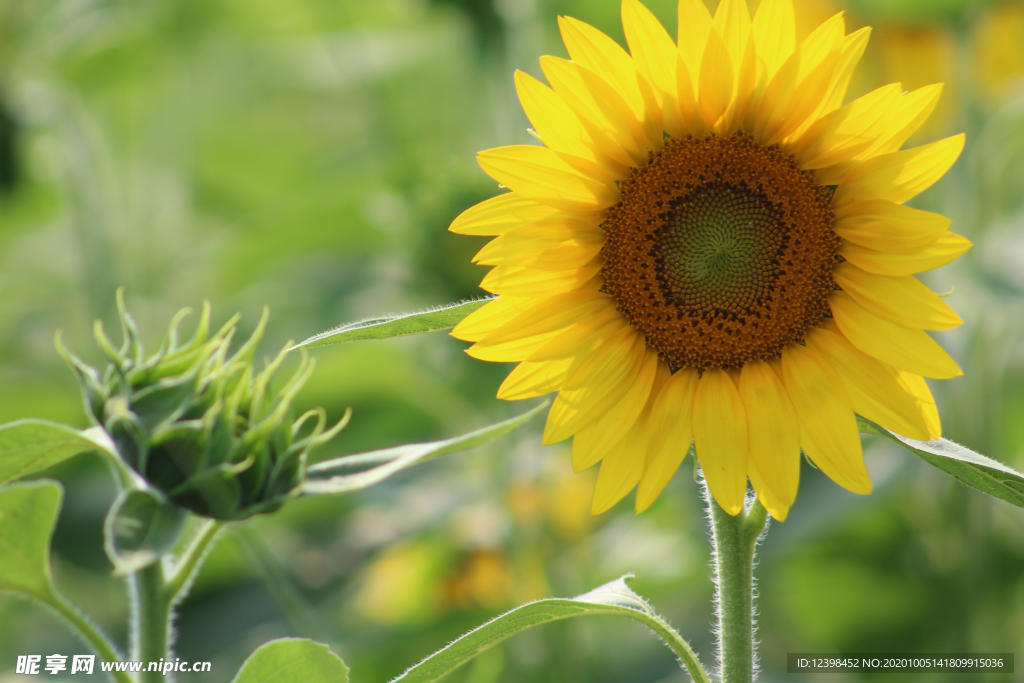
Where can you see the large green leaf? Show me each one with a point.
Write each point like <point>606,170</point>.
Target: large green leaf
<point>293,660</point>
<point>141,526</point>
<point>440,318</point>
<point>612,598</point>
<point>28,446</point>
<point>326,477</point>
<point>28,512</point>
<point>973,469</point>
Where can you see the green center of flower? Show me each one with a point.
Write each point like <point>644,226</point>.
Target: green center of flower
<point>718,247</point>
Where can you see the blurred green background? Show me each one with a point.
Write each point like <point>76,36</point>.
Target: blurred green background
<point>309,155</point>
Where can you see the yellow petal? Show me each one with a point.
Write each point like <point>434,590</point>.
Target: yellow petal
<point>743,95</point>
<point>540,244</point>
<point>732,23</point>
<point>615,109</point>
<point>500,214</point>
<point>595,385</point>
<point>916,385</point>
<point>737,53</point>
<point>828,429</point>
<point>615,138</point>
<point>654,55</point>
<point>509,352</point>
<point>902,347</point>
<point>686,88</point>
<point>774,505</point>
<point>606,365</point>
<point>578,343</point>
<point>596,52</point>
<point>552,118</point>
<point>546,233</point>
<point>575,253</point>
<point>582,337</point>
<point>621,468</point>
<point>595,441</point>
<point>694,27</point>
<point>529,379</point>
<point>671,428</point>
<point>552,314</point>
<point>558,126</point>
<point>833,175</point>
<point>850,54</point>
<point>900,175</point>
<point>720,437</point>
<point>800,85</point>
<point>540,174</point>
<point>841,134</point>
<point>874,391</point>
<point>491,316</point>
<point>773,29</point>
<point>886,226</point>
<point>516,281</point>
<point>773,435</point>
<point>902,300</point>
<point>912,110</point>
<point>716,80</point>
<point>948,247</point>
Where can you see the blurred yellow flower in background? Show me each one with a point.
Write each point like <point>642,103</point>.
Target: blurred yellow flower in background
<point>483,579</point>
<point>401,585</point>
<point>711,248</point>
<point>998,47</point>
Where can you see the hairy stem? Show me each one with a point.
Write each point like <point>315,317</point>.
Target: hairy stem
<point>687,657</point>
<point>177,585</point>
<point>734,539</point>
<point>90,634</point>
<point>154,595</point>
<point>151,615</point>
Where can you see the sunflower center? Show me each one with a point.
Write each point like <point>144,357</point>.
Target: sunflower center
<point>716,247</point>
<point>720,251</point>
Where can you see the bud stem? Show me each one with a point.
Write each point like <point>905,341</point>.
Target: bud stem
<point>150,622</point>
<point>178,583</point>
<point>154,595</point>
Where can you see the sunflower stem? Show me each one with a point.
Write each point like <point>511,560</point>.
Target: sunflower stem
<point>733,541</point>
<point>151,616</point>
<point>155,591</point>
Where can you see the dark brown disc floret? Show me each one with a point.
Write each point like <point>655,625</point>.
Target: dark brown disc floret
<point>721,251</point>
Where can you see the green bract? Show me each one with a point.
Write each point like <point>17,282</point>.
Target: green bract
<point>199,425</point>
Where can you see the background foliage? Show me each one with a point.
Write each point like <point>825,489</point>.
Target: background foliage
<point>309,155</point>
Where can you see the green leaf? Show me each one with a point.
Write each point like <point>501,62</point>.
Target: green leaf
<point>141,526</point>
<point>612,598</point>
<point>292,660</point>
<point>28,512</point>
<point>323,477</point>
<point>970,468</point>
<point>28,446</point>
<point>440,318</point>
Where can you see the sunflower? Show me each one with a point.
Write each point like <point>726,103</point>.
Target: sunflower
<point>710,248</point>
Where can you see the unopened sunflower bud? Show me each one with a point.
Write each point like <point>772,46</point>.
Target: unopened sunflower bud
<point>202,426</point>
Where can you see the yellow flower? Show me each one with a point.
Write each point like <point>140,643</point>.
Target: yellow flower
<point>998,50</point>
<point>709,247</point>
